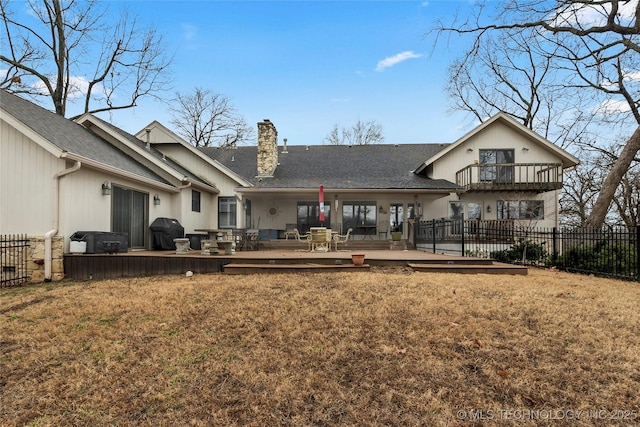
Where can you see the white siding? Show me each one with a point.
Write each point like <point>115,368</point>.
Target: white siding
<point>497,136</point>
<point>26,183</point>
<point>440,208</point>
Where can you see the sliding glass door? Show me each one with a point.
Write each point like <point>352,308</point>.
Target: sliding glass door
<point>130,214</point>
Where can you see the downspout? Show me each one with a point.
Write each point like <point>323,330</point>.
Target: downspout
<point>48,253</point>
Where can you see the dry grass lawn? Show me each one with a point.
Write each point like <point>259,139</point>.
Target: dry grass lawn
<point>386,347</point>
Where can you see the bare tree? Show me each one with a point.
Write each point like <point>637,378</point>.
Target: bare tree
<point>579,192</point>
<point>69,52</point>
<point>205,119</point>
<point>510,73</point>
<point>627,199</point>
<point>595,46</point>
<point>361,133</point>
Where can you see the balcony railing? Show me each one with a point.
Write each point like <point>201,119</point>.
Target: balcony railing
<point>538,177</point>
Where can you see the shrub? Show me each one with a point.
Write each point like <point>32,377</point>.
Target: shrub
<point>524,250</point>
<point>601,257</point>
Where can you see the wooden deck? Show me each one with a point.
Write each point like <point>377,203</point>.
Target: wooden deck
<point>271,258</point>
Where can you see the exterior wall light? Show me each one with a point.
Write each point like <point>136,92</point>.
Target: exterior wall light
<point>156,200</point>
<point>106,188</point>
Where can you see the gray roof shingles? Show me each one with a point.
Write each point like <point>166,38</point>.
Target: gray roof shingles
<point>379,166</point>
<point>154,152</point>
<point>71,137</point>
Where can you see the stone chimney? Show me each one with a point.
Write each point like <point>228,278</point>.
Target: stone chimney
<point>267,149</point>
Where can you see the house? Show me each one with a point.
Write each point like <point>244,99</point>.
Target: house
<point>59,176</point>
<point>501,170</point>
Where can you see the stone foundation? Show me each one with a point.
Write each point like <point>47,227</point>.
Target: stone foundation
<point>35,259</point>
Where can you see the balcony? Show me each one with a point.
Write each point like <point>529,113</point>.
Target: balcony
<point>533,177</point>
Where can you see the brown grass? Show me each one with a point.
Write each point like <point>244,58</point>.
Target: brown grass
<point>385,347</point>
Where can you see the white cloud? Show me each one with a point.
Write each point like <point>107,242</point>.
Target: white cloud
<point>189,32</point>
<point>611,107</point>
<point>596,14</point>
<point>396,59</point>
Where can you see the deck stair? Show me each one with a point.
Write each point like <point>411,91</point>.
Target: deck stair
<point>342,262</point>
<point>295,267</point>
<point>487,267</point>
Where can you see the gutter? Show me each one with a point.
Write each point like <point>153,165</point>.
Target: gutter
<point>48,253</point>
<point>119,172</point>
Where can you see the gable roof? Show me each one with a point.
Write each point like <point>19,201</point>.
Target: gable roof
<point>363,167</point>
<point>62,137</point>
<point>567,159</point>
<point>146,150</point>
<point>174,139</point>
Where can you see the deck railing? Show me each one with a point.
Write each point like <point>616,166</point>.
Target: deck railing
<point>511,177</point>
<point>607,252</point>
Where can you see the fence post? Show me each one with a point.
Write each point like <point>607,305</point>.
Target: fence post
<point>433,234</point>
<point>554,255</point>
<point>463,229</point>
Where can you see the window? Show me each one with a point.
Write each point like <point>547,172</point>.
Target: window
<point>471,210</point>
<point>195,201</point>
<point>309,215</point>
<point>358,215</point>
<point>227,207</point>
<point>456,210</point>
<point>495,167</point>
<point>520,209</point>
<point>247,213</point>
<point>474,210</point>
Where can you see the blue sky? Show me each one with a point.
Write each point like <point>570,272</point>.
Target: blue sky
<point>305,65</point>
<point>309,65</point>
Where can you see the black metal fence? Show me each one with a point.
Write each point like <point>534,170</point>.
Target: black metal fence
<point>607,252</point>
<point>13,260</point>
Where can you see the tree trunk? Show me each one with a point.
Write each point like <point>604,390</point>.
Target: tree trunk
<point>611,182</point>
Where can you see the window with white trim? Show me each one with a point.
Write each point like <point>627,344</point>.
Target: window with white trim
<point>227,208</point>
<point>520,209</point>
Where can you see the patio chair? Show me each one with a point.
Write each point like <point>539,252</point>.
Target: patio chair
<point>383,228</point>
<point>303,238</point>
<point>253,238</point>
<point>291,230</point>
<point>239,235</point>
<point>341,238</point>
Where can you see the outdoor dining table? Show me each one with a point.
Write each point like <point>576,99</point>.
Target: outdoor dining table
<point>321,238</point>
<point>215,233</point>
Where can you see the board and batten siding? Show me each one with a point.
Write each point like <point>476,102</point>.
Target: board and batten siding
<point>26,183</point>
